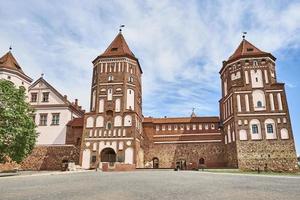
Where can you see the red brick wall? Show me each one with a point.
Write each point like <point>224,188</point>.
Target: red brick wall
<point>50,157</point>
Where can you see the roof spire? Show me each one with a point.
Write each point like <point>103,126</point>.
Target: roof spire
<point>10,48</point>
<point>244,35</point>
<point>121,26</point>
<point>193,113</point>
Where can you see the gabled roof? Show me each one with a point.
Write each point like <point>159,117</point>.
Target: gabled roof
<point>66,101</point>
<point>9,62</point>
<point>246,49</point>
<point>118,48</point>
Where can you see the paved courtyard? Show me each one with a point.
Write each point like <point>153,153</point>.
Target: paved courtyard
<point>146,185</point>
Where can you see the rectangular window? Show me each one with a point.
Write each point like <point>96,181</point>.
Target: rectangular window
<point>254,129</point>
<point>206,126</point>
<point>269,128</point>
<point>33,97</point>
<point>200,126</point>
<point>194,126</point>
<point>163,127</point>
<point>43,119</point>
<point>93,159</point>
<point>45,97</point>
<point>169,127</point>
<point>157,127</point>
<point>55,119</point>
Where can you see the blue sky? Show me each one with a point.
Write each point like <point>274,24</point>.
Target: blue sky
<point>180,46</point>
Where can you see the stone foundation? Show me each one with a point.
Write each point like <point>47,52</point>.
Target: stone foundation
<point>50,157</point>
<point>267,155</point>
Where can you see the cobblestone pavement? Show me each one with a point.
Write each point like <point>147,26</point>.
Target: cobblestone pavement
<point>146,185</point>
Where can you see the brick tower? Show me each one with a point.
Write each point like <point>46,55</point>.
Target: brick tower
<point>112,132</point>
<point>254,112</point>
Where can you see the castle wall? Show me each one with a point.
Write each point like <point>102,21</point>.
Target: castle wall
<point>268,155</point>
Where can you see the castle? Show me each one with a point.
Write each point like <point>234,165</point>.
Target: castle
<point>252,132</point>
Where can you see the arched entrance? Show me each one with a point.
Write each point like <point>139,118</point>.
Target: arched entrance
<point>108,155</point>
<point>201,161</point>
<point>155,163</point>
<point>180,164</point>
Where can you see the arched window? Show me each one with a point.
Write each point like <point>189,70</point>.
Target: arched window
<point>259,104</point>
<point>155,163</point>
<point>118,121</point>
<point>270,128</point>
<point>89,122</point>
<point>255,129</point>
<point>99,121</point>
<point>259,100</point>
<point>128,120</point>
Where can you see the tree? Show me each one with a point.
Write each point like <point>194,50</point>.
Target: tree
<point>17,128</point>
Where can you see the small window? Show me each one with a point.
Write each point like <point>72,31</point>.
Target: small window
<point>270,128</point>
<point>259,104</point>
<point>43,119</point>
<point>108,126</point>
<point>256,79</point>
<point>93,159</point>
<point>212,126</point>
<point>254,129</point>
<point>250,49</point>
<point>45,97</point>
<point>114,49</point>
<point>131,79</point>
<point>157,127</point>
<point>110,78</point>
<point>55,119</point>
<point>169,127</point>
<point>33,97</point>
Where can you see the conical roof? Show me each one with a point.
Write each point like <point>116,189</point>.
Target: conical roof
<point>118,48</point>
<point>246,49</point>
<point>8,61</point>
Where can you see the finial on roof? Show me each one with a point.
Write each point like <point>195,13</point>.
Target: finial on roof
<point>42,75</point>
<point>10,48</point>
<point>121,26</point>
<point>244,35</point>
<point>193,113</point>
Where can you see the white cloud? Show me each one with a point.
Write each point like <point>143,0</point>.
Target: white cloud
<point>180,45</point>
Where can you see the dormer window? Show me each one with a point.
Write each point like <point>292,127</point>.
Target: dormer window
<point>114,49</point>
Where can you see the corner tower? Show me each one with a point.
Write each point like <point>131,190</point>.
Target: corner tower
<point>254,112</point>
<point>112,132</point>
